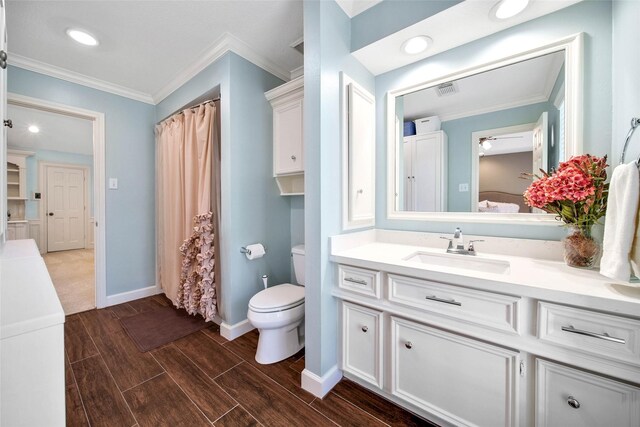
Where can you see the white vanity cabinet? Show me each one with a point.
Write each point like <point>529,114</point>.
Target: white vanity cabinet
<point>425,172</point>
<point>17,230</point>
<point>288,148</point>
<point>567,397</point>
<point>462,380</point>
<point>362,343</point>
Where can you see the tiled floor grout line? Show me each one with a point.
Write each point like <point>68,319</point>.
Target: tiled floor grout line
<point>111,374</point>
<point>234,407</point>
<point>84,358</point>
<point>147,380</point>
<point>75,383</point>
<point>206,375</point>
<point>181,389</point>
<point>358,407</point>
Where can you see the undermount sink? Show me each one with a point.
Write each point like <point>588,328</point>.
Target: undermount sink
<point>464,262</point>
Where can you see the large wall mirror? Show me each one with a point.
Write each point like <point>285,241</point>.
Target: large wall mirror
<point>458,145</point>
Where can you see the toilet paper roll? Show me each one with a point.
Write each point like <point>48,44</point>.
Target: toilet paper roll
<point>255,251</point>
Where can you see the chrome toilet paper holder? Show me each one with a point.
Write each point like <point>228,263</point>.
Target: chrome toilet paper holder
<point>244,250</point>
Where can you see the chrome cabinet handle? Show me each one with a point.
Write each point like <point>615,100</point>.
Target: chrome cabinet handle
<point>573,402</point>
<point>357,281</point>
<point>446,301</point>
<point>408,344</point>
<point>365,329</point>
<point>293,158</point>
<point>604,336</point>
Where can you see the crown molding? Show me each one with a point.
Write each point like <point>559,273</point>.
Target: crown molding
<point>225,43</point>
<point>73,77</point>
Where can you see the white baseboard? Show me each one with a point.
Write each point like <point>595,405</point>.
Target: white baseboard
<point>231,332</point>
<point>132,295</point>
<point>320,386</point>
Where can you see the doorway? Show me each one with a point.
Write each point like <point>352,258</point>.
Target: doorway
<point>65,202</point>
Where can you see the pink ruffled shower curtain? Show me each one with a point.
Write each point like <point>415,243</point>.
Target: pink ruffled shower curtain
<point>188,206</point>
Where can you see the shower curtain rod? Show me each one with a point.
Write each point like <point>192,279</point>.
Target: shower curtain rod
<point>181,110</point>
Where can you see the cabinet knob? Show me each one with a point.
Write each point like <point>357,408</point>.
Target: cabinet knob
<point>365,329</point>
<point>408,344</point>
<point>360,191</point>
<point>50,213</point>
<point>293,158</point>
<point>573,402</point>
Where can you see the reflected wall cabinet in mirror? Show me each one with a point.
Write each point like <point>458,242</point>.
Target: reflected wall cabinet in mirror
<point>464,146</point>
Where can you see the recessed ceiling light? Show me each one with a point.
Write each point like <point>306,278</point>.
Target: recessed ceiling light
<point>507,8</point>
<point>34,129</point>
<point>416,44</point>
<point>82,37</point>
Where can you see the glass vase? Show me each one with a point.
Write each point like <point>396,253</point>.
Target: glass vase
<point>580,249</point>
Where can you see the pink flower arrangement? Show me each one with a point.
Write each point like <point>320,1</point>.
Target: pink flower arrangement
<point>576,192</point>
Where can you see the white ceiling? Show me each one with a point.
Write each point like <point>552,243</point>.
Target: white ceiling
<point>148,46</point>
<point>57,131</point>
<point>460,24</point>
<point>519,84</point>
<point>356,7</point>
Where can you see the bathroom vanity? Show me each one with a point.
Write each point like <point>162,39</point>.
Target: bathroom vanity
<point>510,336</point>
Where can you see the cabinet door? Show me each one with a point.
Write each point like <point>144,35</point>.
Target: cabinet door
<point>362,343</point>
<point>567,397</point>
<point>362,145</point>
<point>287,137</point>
<point>21,231</point>
<point>11,232</point>
<point>428,174</point>
<point>464,381</point>
<point>408,149</point>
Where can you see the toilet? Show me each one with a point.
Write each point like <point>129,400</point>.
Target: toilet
<point>278,313</point>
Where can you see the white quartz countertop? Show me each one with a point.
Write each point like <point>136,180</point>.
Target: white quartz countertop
<point>531,277</point>
<point>28,300</point>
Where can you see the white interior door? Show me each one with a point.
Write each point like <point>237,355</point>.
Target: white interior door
<point>540,145</point>
<point>408,149</point>
<point>65,209</point>
<point>426,169</point>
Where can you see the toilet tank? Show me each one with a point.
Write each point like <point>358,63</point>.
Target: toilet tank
<point>297,253</point>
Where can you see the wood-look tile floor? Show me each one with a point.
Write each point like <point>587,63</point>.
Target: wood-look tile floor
<point>199,380</point>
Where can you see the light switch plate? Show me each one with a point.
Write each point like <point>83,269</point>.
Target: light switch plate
<point>463,187</point>
<point>113,183</point>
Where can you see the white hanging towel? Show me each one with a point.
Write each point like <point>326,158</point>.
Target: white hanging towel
<point>620,222</point>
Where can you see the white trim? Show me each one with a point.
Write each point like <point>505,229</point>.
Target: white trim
<point>99,179</point>
<point>131,295</point>
<point>231,332</point>
<point>297,72</point>
<point>574,60</point>
<point>559,97</point>
<point>225,43</point>
<point>73,77</point>
<point>475,155</point>
<point>320,386</point>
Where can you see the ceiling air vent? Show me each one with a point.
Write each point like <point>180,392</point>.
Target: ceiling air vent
<point>446,89</point>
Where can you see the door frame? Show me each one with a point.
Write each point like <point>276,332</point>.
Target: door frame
<point>99,193</point>
<point>43,185</point>
<point>475,155</point>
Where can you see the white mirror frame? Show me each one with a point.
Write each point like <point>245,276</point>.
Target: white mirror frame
<point>574,57</point>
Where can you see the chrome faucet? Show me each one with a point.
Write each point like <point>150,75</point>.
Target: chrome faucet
<point>458,248</point>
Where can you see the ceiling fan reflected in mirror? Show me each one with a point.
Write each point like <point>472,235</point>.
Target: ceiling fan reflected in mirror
<point>485,141</point>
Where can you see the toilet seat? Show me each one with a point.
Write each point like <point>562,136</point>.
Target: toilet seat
<point>277,298</point>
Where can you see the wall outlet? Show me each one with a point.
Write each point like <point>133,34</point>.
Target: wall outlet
<point>463,187</point>
<point>113,183</point>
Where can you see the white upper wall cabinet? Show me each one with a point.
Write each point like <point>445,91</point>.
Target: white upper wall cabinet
<point>359,142</point>
<point>288,148</point>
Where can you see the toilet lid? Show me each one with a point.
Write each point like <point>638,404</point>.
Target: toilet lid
<point>277,298</point>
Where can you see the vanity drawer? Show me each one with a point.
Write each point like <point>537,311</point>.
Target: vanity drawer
<point>491,310</point>
<point>605,335</point>
<point>362,342</point>
<point>570,397</point>
<point>359,280</point>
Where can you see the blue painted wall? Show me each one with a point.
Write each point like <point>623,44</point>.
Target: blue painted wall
<point>327,53</point>
<point>252,209</point>
<point>130,157</point>
<point>32,207</point>
<point>390,16</point>
<point>626,81</point>
<point>592,18</point>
